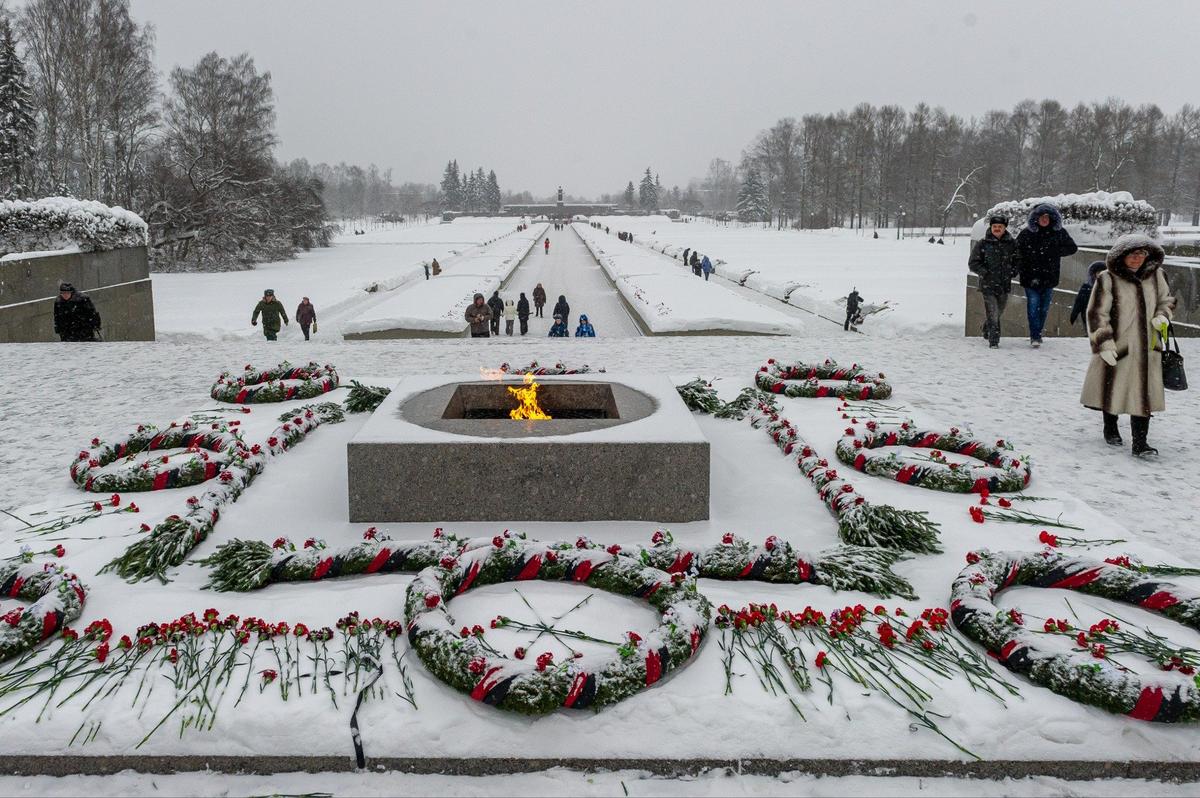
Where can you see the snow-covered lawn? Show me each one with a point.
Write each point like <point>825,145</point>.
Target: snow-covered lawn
<point>218,305</point>
<point>671,300</point>
<point>1029,398</point>
<point>924,284</point>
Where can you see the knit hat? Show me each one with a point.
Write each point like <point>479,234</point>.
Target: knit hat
<point>65,287</point>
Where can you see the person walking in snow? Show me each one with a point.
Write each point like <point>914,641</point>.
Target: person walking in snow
<point>523,313</point>
<point>561,308</point>
<point>585,328</point>
<point>695,263</point>
<point>1079,308</point>
<point>435,268</point>
<point>853,303</point>
<point>272,311</point>
<point>539,300</point>
<point>995,258</point>
<point>1042,244</point>
<point>559,328</point>
<point>510,316</point>
<point>1127,317</point>
<point>75,317</point>
<point>426,265</point>
<point>686,250</point>
<point>546,244</point>
<point>497,306</point>
<point>306,316</point>
<point>479,316</point>
<point>706,267</point>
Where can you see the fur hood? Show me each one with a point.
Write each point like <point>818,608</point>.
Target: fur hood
<point>1115,259</point>
<point>1038,210</point>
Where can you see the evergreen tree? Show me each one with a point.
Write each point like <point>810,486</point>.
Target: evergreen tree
<point>629,195</point>
<point>16,119</point>
<point>482,203</point>
<point>451,191</point>
<point>752,204</point>
<point>494,197</point>
<point>470,192</point>
<point>647,192</point>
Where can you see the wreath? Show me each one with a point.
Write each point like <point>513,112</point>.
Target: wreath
<point>818,381</point>
<point>1000,471</point>
<point>254,386</point>
<point>57,599</point>
<point>161,473</point>
<point>1083,675</point>
<point>463,660</point>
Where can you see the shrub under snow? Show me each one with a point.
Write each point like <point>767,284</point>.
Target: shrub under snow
<point>62,222</point>
<point>1099,217</point>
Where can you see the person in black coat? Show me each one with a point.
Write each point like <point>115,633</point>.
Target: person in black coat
<point>685,255</point>
<point>561,308</point>
<point>523,313</point>
<point>1079,309</point>
<point>497,306</point>
<point>1042,244</point>
<point>853,304</point>
<point>75,317</point>
<point>997,260</point>
<point>695,263</point>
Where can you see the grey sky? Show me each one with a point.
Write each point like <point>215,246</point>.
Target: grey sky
<point>588,94</point>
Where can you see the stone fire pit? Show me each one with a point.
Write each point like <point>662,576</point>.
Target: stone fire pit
<point>444,449</point>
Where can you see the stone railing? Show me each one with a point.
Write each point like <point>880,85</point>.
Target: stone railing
<point>118,281</point>
<point>1183,275</point>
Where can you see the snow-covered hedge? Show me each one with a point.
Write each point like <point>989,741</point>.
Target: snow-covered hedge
<point>63,222</point>
<point>1099,217</point>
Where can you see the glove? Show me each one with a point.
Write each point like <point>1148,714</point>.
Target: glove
<point>1109,356</point>
<point>1158,322</point>
<point>253,324</point>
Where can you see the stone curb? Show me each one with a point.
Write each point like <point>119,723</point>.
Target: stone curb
<point>1071,770</point>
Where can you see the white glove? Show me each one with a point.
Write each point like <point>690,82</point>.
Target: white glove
<point>1109,356</point>
<point>1159,321</point>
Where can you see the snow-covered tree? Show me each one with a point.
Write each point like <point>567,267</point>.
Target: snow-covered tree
<point>17,125</point>
<point>494,197</point>
<point>451,191</point>
<point>752,202</point>
<point>629,195</point>
<point>648,192</point>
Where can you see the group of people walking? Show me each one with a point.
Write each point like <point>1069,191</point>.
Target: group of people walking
<point>272,312</point>
<point>1126,305</point>
<point>701,265</point>
<point>484,317</point>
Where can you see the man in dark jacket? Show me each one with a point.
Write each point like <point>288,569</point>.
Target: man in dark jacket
<point>478,314</point>
<point>695,263</point>
<point>685,255</point>
<point>1042,245</point>
<point>523,313</point>
<point>75,317</point>
<point>306,316</point>
<point>272,311</point>
<point>561,308</point>
<point>995,258</point>
<point>853,303</point>
<point>497,306</point>
<point>539,300</point>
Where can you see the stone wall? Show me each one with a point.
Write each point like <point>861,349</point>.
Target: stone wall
<point>1183,275</point>
<point>118,281</point>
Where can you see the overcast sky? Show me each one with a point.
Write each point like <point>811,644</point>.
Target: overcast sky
<point>587,94</point>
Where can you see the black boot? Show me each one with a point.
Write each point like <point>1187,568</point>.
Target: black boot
<point>1112,436</point>
<point>1141,427</point>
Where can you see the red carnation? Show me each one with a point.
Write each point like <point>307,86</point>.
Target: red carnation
<point>432,600</point>
<point>498,542</point>
<point>976,514</point>
<point>614,549</point>
<point>544,660</point>
<point>1004,503</point>
<point>1048,539</point>
<point>727,538</point>
<point>519,653</point>
<point>59,551</point>
<point>821,657</point>
<point>972,557</point>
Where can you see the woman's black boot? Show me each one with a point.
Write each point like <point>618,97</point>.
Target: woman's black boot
<point>1112,436</point>
<point>1141,427</point>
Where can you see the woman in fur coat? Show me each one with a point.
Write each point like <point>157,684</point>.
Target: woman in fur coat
<point>1130,304</point>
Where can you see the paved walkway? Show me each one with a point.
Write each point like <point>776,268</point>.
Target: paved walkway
<point>570,270</point>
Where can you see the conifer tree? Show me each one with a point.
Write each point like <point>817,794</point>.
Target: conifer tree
<point>451,190</point>
<point>16,119</point>
<point>494,197</point>
<point>629,195</point>
<point>647,192</point>
<point>752,204</point>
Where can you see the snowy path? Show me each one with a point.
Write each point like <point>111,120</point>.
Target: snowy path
<point>570,270</point>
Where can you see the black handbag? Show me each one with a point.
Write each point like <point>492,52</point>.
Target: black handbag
<point>1173,376</point>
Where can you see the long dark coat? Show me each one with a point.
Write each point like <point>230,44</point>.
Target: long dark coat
<point>997,261</point>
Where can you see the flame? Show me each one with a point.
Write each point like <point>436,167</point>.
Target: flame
<point>529,409</point>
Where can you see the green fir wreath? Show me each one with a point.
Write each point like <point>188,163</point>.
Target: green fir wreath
<point>255,386</point>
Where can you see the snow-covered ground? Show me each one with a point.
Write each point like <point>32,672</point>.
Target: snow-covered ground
<point>438,304</point>
<point>923,284</point>
<point>217,305</point>
<point>672,300</point>
<point>303,493</point>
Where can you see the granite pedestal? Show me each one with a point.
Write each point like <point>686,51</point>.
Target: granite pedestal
<point>439,449</point>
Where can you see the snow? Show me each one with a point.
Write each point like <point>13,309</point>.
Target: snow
<point>438,304</point>
<point>562,781</point>
<point>1093,219</point>
<point>923,285</point>
<point>1027,397</point>
<point>670,299</point>
<point>42,253</point>
<point>217,306</point>
<point>59,222</point>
